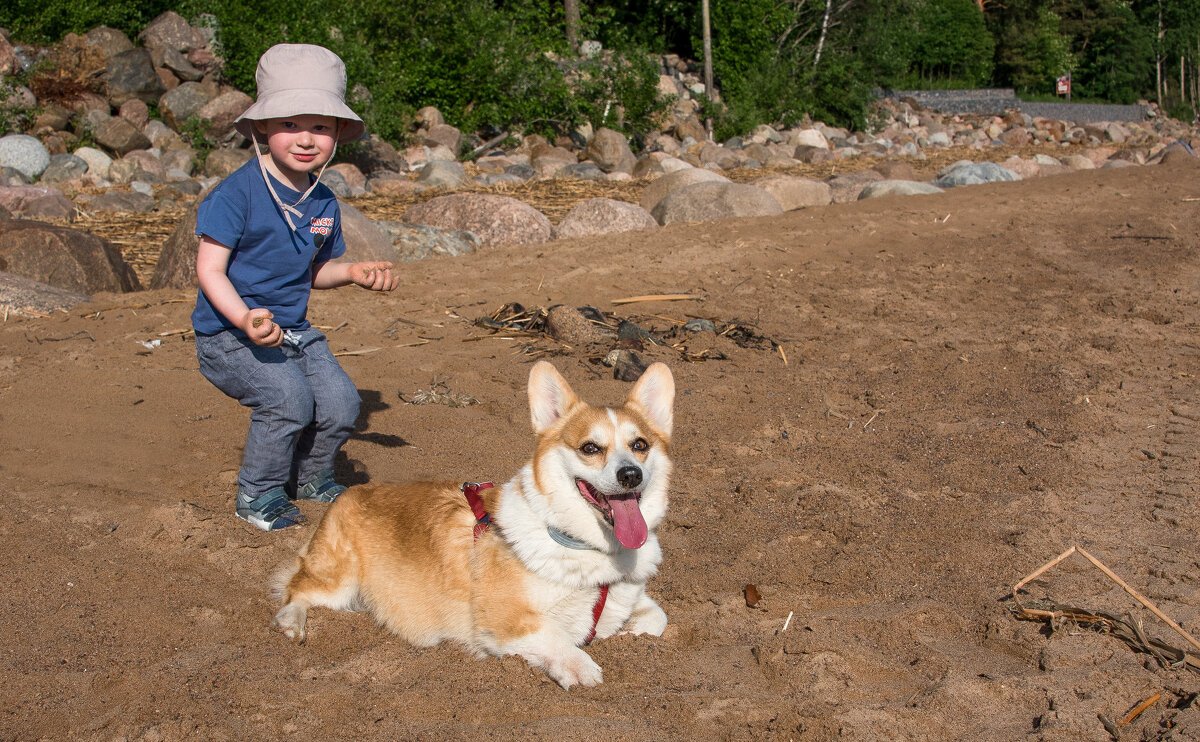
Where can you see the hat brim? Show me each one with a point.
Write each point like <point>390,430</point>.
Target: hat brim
<point>300,102</point>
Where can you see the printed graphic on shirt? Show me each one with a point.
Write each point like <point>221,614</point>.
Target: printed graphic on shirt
<point>322,225</point>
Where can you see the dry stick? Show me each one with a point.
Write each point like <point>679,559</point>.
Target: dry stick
<point>782,354</point>
<point>1050,615</point>
<point>1137,711</point>
<point>656,297</point>
<point>360,352</point>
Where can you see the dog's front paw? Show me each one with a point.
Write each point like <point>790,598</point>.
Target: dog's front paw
<point>574,667</point>
<point>647,618</point>
<point>290,620</point>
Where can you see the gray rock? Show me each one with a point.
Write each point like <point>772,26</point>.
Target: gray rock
<point>603,216</point>
<point>897,188</point>
<point>222,162</point>
<point>181,66</point>
<point>122,202</point>
<point>495,219</point>
<point>180,104</point>
<point>64,167</point>
<point>610,151</point>
<point>524,172</point>
<point>171,31</point>
<point>336,183</point>
<point>63,257</point>
<point>23,295</point>
<point>109,41</point>
<point>444,135</point>
<point>846,187</point>
<point>973,173</point>
<point>660,187</point>
<point>442,174</point>
<point>418,243</point>
<point>223,110</point>
<point>118,135</point>
<point>579,171</point>
<point>702,202</point>
<point>25,154</point>
<point>142,187</point>
<point>10,176</point>
<point>131,74</point>
<point>373,155</point>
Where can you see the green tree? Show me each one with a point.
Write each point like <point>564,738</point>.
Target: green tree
<point>1031,51</point>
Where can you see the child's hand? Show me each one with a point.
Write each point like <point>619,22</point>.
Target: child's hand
<point>374,276</point>
<point>260,329</point>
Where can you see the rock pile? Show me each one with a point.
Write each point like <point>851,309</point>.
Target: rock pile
<point>90,143</point>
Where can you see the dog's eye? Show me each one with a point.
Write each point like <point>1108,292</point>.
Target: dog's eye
<point>589,448</point>
<point>640,445</point>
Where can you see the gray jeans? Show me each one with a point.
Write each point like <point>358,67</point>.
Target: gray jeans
<point>302,404</point>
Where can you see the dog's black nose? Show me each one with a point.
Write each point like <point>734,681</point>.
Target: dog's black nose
<point>629,476</point>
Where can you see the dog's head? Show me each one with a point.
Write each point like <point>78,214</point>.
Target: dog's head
<point>603,468</point>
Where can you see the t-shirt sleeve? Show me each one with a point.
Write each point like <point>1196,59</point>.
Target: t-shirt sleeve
<point>222,218</point>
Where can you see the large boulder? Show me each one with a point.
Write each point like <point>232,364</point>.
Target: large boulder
<point>33,202</point>
<point>22,295</point>
<point>417,243</point>
<point>63,257</point>
<point>109,41</point>
<point>442,174</point>
<point>704,202</point>
<point>603,216</point>
<point>660,187</point>
<point>495,219</point>
<point>176,266</point>
<point>845,188</point>
<point>365,241</point>
<point>796,193</point>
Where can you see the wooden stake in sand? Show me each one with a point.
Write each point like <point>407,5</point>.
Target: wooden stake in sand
<point>656,297</point>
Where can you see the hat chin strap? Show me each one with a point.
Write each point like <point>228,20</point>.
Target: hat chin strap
<point>286,210</point>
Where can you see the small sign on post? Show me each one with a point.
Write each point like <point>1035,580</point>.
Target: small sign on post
<point>1063,86</point>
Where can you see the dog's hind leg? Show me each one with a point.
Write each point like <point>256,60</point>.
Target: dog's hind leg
<point>325,575</point>
<point>647,618</point>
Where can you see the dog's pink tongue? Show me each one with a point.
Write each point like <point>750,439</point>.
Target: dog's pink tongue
<point>628,524</point>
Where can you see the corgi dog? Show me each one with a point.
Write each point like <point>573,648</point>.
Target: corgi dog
<point>536,567</point>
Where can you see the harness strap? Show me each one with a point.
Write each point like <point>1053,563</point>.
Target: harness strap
<point>597,609</point>
<point>470,490</point>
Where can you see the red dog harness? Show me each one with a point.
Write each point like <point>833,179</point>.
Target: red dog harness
<point>482,520</point>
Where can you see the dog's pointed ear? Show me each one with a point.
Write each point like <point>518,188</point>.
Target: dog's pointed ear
<point>654,393</point>
<point>550,396</point>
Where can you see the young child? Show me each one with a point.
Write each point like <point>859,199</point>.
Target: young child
<point>268,234</point>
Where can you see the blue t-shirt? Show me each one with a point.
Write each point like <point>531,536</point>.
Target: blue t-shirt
<point>270,266</point>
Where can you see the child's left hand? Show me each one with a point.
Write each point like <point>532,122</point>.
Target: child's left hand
<point>374,276</point>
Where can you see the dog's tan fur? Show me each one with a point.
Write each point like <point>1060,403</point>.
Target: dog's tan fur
<point>407,552</point>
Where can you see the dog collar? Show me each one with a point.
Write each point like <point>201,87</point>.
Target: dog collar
<point>470,490</point>
<point>570,542</point>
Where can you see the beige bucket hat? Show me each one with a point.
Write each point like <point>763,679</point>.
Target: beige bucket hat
<point>297,79</point>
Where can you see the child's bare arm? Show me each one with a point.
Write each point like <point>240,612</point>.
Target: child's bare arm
<point>372,276</point>
<point>212,259</point>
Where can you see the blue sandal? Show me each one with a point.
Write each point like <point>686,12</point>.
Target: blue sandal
<point>270,511</point>
<point>320,488</point>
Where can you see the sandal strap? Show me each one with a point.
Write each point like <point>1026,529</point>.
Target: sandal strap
<point>321,488</point>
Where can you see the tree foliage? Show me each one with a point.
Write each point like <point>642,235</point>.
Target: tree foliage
<point>492,65</point>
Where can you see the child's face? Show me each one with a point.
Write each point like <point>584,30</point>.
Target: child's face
<point>299,144</point>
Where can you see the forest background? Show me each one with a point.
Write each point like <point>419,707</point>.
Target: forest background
<point>492,66</point>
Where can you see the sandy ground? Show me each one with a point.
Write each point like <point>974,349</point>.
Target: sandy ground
<point>931,397</point>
